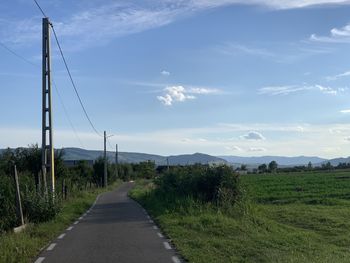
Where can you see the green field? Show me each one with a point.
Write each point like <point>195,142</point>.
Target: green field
<point>296,217</point>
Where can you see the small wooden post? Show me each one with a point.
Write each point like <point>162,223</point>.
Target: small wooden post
<point>65,192</point>
<point>19,211</point>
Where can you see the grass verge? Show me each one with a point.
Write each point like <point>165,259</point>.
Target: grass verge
<point>24,247</point>
<point>279,223</point>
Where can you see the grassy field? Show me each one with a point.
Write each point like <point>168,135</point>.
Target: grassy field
<point>296,217</point>
<point>24,246</point>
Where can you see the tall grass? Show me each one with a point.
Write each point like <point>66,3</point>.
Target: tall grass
<point>299,217</point>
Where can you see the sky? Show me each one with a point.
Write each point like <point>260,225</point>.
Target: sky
<point>222,77</point>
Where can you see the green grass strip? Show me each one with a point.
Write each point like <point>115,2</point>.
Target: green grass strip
<point>25,246</point>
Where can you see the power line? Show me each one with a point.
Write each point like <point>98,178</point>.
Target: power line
<point>109,144</point>
<point>68,71</point>
<point>57,91</point>
<point>41,10</point>
<point>73,84</point>
<point>67,115</point>
<point>17,55</point>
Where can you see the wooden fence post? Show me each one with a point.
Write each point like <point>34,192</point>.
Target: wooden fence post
<point>19,211</point>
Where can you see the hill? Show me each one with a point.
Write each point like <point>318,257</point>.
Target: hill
<point>281,160</point>
<point>132,157</point>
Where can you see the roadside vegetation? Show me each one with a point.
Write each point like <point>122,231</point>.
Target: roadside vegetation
<point>267,217</point>
<point>24,246</point>
<point>76,189</point>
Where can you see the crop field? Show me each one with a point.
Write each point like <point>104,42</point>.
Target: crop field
<point>296,217</point>
<point>327,188</point>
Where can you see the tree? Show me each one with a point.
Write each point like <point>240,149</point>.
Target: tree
<point>98,171</point>
<point>327,166</point>
<point>145,169</point>
<point>262,168</point>
<point>84,173</point>
<point>243,167</point>
<point>273,166</point>
<point>309,166</point>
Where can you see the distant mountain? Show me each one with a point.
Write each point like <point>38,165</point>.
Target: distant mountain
<point>123,157</point>
<point>194,158</point>
<point>281,160</point>
<point>130,157</point>
<point>253,162</point>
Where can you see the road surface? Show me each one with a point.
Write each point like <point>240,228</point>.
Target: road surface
<point>116,229</point>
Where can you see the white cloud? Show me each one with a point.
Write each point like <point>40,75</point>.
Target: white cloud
<point>256,149</point>
<point>253,135</point>
<point>288,89</point>
<point>284,139</point>
<point>347,138</point>
<point>167,100</point>
<point>282,90</point>
<point>327,90</point>
<point>345,111</point>
<point>233,148</point>
<point>274,4</point>
<point>165,73</point>
<point>338,76</point>
<point>118,18</point>
<point>337,35</point>
<point>198,90</point>
<point>181,94</point>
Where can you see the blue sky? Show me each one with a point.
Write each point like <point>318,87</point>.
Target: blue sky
<point>233,77</point>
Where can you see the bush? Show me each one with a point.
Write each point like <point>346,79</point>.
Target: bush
<point>218,185</point>
<point>40,208</point>
<point>7,203</point>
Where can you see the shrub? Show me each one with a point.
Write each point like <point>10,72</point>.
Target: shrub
<point>218,185</point>
<point>40,208</point>
<point>7,203</point>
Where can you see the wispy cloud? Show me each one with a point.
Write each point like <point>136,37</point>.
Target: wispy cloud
<point>347,111</point>
<point>273,4</point>
<point>233,148</point>
<point>336,35</point>
<point>338,76</point>
<point>234,49</point>
<point>282,90</point>
<point>114,19</point>
<point>181,94</point>
<point>289,89</point>
<point>256,149</point>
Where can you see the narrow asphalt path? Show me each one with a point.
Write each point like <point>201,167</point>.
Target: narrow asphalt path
<point>116,229</point>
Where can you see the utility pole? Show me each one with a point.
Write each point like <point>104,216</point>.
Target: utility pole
<point>105,160</point>
<point>47,152</point>
<point>116,160</point>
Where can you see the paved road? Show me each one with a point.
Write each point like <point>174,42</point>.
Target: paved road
<point>116,229</point>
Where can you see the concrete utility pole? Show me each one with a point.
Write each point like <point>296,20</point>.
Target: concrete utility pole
<point>105,159</point>
<point>47,154</point>
<point>116,160</point>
